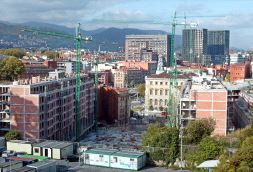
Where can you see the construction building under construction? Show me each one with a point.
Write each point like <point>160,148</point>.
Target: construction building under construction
<point>45,108</point>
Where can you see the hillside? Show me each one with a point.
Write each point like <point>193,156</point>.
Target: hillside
<point>110,39</point>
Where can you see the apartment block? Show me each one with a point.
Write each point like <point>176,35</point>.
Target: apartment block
<point>45,108</point>
<point>126,77</point>
<point>148,66</point>
<point>114,105</point>
<point>157,91</point>
<point>239,72</point>
<point>218,45</point>
<point>195,45</point>
<point>139,47</point>
<point>34,68</point>
<point>205,100</point>
<point>68,66</point>
<point>4,108</point>
<point>242,114</point>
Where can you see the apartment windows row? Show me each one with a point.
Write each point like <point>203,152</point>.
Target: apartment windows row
<point>160,92</point>
<point>158,102</point>
<point>158,83</point>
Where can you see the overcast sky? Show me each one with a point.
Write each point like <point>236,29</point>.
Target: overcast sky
<point>237,14</point>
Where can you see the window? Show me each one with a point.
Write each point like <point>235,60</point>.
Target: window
<point>115,159</point>
<point>156,92</point>
<point>161,92</point>
<point>36,150</point>
<point>131,159</point>
<point>151,82</point>
<point>161,83</point>
<point>155,101</point>
<point>156,83</point>
<point>151,91</point>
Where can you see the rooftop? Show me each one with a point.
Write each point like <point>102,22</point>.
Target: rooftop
<point>41,163</point>
<point>129,154</point>
<point>165,75</point>
<point>101,151</point>
<point>40,158</point>
<point>53,144</point>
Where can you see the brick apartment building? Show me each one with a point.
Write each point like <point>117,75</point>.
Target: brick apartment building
<point>126,77</point>
<point>148,66</point>
<point>45,109</point>
<point>41,69</point>
<point>207,100</point>
<point>114,105</point>
<point>239,72</point>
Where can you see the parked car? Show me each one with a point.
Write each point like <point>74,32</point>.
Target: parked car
<point>8,153</point>
<point>19,154</point>
<point>2,149</point>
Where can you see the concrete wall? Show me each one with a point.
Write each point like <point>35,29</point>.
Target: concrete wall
<point>19,147</point>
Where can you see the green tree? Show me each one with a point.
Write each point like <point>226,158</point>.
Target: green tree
<point>141,89</point>
<point>16,52</point>
<point>196,130</point>
<point>208,148</point>
<point>161,143</point>
<point>11,68</point>
<point>227,78</point>
<point>51,54</point>
<point>244,154</point>
<point>12,135</point>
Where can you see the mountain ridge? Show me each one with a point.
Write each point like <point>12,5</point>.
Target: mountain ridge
<point>110,39</point>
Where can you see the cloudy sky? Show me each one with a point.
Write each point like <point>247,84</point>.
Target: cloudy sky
<point>234,15</point>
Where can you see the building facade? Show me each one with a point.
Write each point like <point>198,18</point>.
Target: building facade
<point>157,91</point>
<point>207,100</point>
<point>239,72</point>
<point>218,46</point>
<point>45,109</point>
<point>139,47</point>
<point>128,77</point>
<point>195,45</point>
<point>114,105</point>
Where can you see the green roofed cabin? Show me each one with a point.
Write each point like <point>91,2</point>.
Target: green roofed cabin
<point>98,157</point>
<point>128,160</point>
<point>114,158</point>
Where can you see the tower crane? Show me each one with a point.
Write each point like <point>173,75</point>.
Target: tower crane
<point>78,39</point>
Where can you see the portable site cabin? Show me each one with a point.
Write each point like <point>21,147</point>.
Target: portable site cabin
<point>98,157</point>
<point>25,161</point>
<point>24,169</point>
<point>128,160</point>
<point>20,146</point>
<point>53,149</point>
<point>42,166</point>
<point>9,166</point>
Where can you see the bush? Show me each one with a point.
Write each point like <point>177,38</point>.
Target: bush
<point>12,135</point>
<point>196,130</point>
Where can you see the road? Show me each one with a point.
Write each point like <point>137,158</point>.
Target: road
<point>101,169</point>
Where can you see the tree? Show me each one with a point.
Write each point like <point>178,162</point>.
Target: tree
<point>196,130</point>
<point>12,135</point>
<point>208,148</point>
<point>16,52</point>
<point>51,54</point>
<point>227,78</point>
<point>141,89</point>
<point>161,143</point>
<point>11,68</point>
